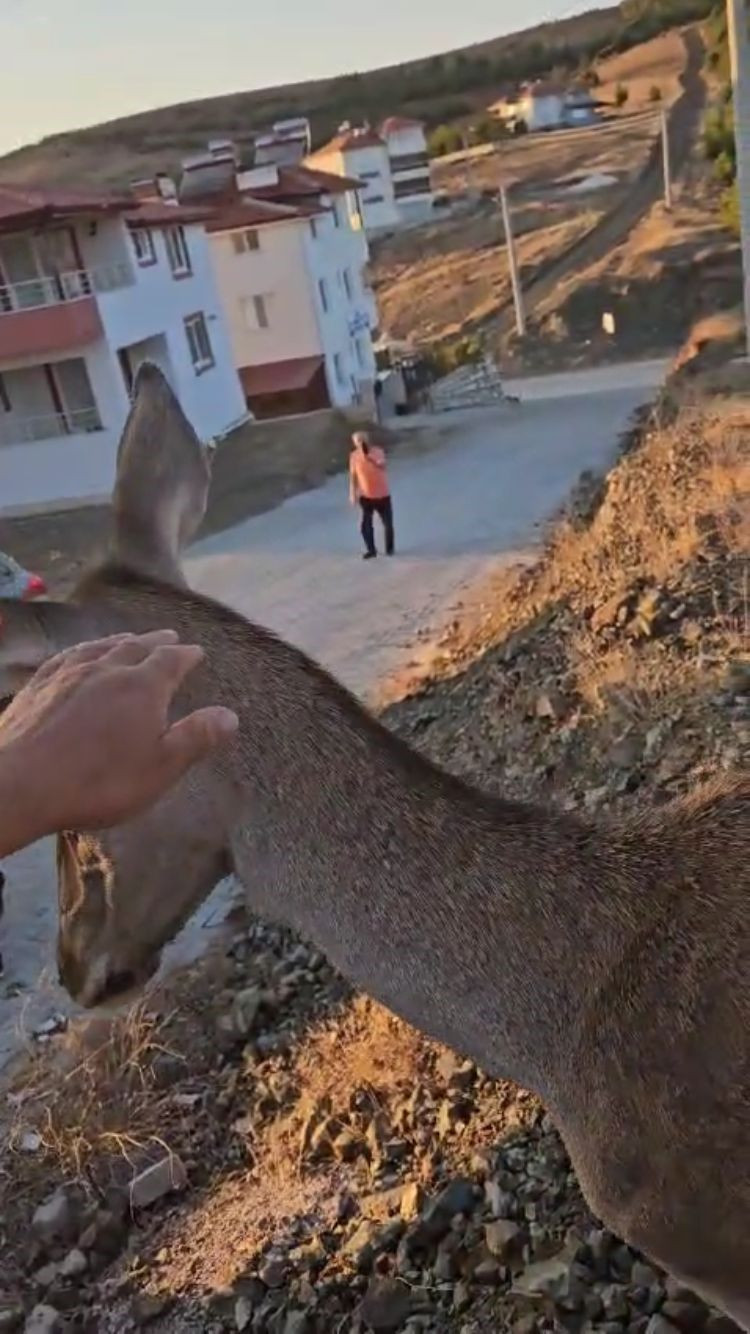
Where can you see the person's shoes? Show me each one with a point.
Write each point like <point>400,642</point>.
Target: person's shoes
<point>369,555</point>
<point>392,552</point>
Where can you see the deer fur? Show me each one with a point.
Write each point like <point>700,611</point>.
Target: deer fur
<point>606,965</point>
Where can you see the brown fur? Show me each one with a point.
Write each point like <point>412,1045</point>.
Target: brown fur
<point>606,966</point>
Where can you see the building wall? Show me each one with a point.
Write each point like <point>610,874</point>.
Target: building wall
<point>411,180</point>
<point>159,303</point>
<point>542,113</point>
<point>276,272</point>
<point>370,165</point>
<point>334,256</point>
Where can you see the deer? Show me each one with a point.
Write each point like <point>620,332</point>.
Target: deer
<point>601,962</point>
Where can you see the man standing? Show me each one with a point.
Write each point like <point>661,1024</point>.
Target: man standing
<point>368,485</point>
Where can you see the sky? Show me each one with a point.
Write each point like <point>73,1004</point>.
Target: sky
<point>69,63</point>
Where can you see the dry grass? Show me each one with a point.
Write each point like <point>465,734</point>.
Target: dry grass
<point>655,64</point>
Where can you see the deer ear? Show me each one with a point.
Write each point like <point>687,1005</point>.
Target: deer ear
<point>32,632</point>
<point>163,476</point>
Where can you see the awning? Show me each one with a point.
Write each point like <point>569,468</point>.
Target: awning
<point>280,377</point>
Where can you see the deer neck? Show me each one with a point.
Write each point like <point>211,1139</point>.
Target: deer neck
<point>487,924</point>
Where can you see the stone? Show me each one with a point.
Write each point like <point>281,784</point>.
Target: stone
<point>503,1238</point>
<point>47,1275</point>
<point>160,1178</point>
<point>545,1278</point>
<point>243,1313</point>
<point>11,1319</point>
<point>296,1322</point>
<point>386,1305</point>
<point>659,1325</point>
<point>456,1198</point>
<point>500,1202</point>
<point>148,1306</point>
<point>74,1264</point>
<point>642,1275</point>
<point>689,1316</point>
<point>461,1297</point>
<point>244,1012</point>
<point>274,1271</point>
<point>362,1246</point>
<point>737,677</point>
<point>43,1320</point>
<point>615,1302</point>
<point>57,1218</point>
<point>411,1201</point>
<point>487,1273</point>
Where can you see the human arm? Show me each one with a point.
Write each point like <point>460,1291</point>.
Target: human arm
<point>353,487</point>
<point>87,743</point>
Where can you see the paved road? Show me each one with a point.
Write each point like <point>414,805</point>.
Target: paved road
<point>463,509</point>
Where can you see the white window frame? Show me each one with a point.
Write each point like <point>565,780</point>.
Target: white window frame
<point>177,251</point>
<point>314,229</point>
<point>255,312</point>
<point>143,246</point>
<point>338,366</point>
<point>202,355</point>
<point>325,300</point>
<point>348,284</point>
<point>247,242</point>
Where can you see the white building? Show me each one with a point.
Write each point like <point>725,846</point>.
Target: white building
<point>90,286</point>
<point>547,106</point>
<point>410,167</point>
<point>293,283</point>
<point>361,154</point>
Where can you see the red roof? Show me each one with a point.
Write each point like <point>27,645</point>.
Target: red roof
<point>251,212</point>
<point>392,124</point>
<point>295,181</point>
<point>279,377</point>
<point>30,207</point>
<point>350,140</point>
<point>157,213</point>
<point>26,205</point>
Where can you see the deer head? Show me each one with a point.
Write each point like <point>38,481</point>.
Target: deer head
<point>108,941</point>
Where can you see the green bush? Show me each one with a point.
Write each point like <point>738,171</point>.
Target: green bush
<point>655,94</point>
<point>718,133</point>
<point>445,139</point>
<point>621,95</point>
<point>725,168</point>
<point>730,209</point>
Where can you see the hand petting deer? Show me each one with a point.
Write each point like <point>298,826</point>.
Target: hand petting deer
<point>604,965</point>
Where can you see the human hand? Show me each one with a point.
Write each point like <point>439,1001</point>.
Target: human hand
<point>87,743</point>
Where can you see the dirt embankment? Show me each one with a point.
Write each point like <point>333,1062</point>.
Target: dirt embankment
<point>322,1166</point>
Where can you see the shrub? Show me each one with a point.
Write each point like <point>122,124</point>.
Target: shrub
<point>730,210</point>
<point>445,139</point>
<point>655,94</point>
<point>621,95</point>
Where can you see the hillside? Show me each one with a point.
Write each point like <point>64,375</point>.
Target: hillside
<point>438,88</point>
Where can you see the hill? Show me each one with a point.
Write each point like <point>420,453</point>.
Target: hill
<point>439,88</point>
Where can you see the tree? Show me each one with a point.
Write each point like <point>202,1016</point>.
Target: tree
<point>621,95</point>
<point>655,94</point>
<point>445,139</point>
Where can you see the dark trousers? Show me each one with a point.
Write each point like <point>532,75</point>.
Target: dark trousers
<point>384,509</point>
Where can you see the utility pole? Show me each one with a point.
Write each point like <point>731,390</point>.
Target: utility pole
<point>515,277</point>
<point>668,195</point>
<point>738,22</point>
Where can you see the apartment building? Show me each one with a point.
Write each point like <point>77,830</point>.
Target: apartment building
<point>290,257</point>
<point>393,165</point>
<point>90,286</point>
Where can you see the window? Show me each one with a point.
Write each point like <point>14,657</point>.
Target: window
<point>338,364</point>
<point>201,352</point>
<point>336,217</point>
<point>177,251</point>
<point>369,175</point>
<point>143,245</point>
<point>245,242</point>
<point>408,161</point>
<point>323,289</point>
<point>373,199</point>
<point>360,350</point>
<point>255,311</point>
<point>415,185</point>
<point>314,229</point>
<point>348,284</point>
<point>5,402</point>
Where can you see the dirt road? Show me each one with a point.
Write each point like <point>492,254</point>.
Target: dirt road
<point>684,119</point>
<point>463,511</point>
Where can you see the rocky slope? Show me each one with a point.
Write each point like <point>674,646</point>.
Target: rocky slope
<point>257,1149</point>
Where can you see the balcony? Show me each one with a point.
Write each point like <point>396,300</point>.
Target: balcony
<point>49,426</point>
<point>56,314</point>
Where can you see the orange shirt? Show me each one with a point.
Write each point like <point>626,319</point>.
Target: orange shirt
<point>368,473</point>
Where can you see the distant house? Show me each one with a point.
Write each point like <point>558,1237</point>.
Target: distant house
<point>360,152</point>
<point>393,165</point>
<point>410,167</point>
<point>546,105</point>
